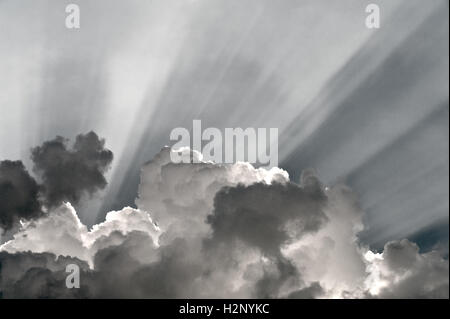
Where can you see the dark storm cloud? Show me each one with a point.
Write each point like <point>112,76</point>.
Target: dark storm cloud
<point>117,273</point>
<point>68,174</point>
<point>34,275</point>
<point>267,216</point>
<point>18,194</point>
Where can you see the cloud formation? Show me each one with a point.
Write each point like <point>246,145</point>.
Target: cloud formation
<point>226,231</point>
<point>266,216</point>
<point>68,174</point>
<point>402,272</point>
<point>19,194</point>
<point>37,275</point>
<point>62,233</point>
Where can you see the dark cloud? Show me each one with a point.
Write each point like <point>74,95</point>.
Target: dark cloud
<point>117,273</point>
<point>313,291</point>
<point>267,216</point>
<point>18,194</point>
<point>38,275</point>
<point>68,174</point>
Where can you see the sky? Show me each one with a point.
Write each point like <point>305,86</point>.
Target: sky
<point>364,107</point>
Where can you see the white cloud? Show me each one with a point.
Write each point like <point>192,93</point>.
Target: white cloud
<point>401,271</point>
<point>61,232</point>
<point>180,196</point>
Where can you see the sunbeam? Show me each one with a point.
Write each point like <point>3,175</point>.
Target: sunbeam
<point>340,97</point>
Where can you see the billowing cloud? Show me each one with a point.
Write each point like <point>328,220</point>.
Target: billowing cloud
<point>181,196</point>
<point>266,216</point>
<point>226,231</point>
<point>68,174</point>
<point>65,174</point>
<point>38,275</point>
<point>402,272</point>
<point>19,194</point>
<point>61,233</point>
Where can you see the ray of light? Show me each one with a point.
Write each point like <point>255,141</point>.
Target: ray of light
<point>347,100</point>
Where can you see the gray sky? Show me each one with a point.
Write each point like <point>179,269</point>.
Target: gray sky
<point>364,106</point>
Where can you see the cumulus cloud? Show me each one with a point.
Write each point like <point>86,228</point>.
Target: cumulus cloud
<point>266,216</point>
<point>181,196</point>
<point>38,275</point>
<point>331,256</point>
<point>227,231</point>
<point>400,271</point>
<point>61,233</point>
<point>19,194</point>
<point>67,174</point>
